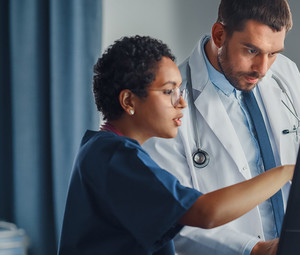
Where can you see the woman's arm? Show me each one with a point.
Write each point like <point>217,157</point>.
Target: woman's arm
<point>224,205</point>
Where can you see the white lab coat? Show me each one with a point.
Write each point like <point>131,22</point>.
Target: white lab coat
<point>228,162</point>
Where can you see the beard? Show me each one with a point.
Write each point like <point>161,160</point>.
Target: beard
<point>235,77</point>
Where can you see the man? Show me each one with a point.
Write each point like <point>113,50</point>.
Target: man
<point>240,59</point>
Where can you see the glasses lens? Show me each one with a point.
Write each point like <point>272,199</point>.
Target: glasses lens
<point>176,94</point>
<point>183,93</point>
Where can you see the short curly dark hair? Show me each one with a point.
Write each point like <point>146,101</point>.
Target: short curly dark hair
<point>129,63</point>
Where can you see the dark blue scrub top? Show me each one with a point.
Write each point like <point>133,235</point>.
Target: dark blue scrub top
<point>120,201</point>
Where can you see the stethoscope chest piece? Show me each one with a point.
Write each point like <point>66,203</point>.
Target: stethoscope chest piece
<point>200,158</point>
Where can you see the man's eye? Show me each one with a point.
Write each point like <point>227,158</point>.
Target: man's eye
<point>273,54</point>
<point>168,91</point>
<point>252,51</point>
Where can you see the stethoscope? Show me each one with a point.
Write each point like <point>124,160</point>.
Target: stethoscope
<point>201,157</point>
<point>292,111</point>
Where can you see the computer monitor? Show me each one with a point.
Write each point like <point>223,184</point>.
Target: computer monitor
<point>289,241</point>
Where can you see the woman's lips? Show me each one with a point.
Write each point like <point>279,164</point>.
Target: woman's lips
<point>178,120</point>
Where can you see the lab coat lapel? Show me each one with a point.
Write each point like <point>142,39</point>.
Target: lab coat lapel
<point>209,105</point>
<point>278,116</point>
<point>213,112</point>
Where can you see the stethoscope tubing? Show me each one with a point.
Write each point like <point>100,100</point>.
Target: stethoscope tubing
<point>200,157</point>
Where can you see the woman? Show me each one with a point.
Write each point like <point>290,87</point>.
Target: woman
<point>119,200</point>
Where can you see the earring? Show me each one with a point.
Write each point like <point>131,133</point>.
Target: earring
<point>131,112</point>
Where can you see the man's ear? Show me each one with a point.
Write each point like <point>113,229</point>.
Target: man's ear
<point>126,99</point>
<point>218,34</point>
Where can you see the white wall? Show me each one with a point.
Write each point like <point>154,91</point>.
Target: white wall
<point>178,23</point>
<point>293,37</point>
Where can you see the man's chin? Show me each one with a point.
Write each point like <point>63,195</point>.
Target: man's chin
<point>246,88</point>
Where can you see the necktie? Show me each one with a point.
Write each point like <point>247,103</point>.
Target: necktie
<point>266,152</point>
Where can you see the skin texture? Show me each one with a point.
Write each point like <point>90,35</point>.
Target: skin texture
<point>230,201</point>
<point>154,115</point>
<point>247,55</point>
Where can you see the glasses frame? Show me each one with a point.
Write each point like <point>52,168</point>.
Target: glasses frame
<point>176,93</point>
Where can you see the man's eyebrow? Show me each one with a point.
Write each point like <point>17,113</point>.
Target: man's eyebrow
<point>249,45</point>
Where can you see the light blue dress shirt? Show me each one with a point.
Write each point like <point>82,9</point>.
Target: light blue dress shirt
<point>241,121</point>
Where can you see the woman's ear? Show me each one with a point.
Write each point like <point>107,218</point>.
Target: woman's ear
<point>218,34</point>
<point>126,99</point>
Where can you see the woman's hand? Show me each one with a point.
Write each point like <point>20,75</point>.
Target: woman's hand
<point>266,247</point>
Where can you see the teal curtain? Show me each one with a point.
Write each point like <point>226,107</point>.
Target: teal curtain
<point>47,49</point>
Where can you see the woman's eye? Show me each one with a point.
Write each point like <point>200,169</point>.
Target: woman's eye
<point>168,91</point>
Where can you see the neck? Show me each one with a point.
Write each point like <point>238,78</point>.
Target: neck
<point>125,126</point>
<point>211,52</point>
<point>107,126</point>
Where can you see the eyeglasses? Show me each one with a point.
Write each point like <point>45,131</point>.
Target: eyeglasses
<point>175,93</point>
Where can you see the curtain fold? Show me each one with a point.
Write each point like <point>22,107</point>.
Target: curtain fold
<point>49,50</point>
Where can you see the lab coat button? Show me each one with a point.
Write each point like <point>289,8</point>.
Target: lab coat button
<point>258,236</point>
<point>244,168</point>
